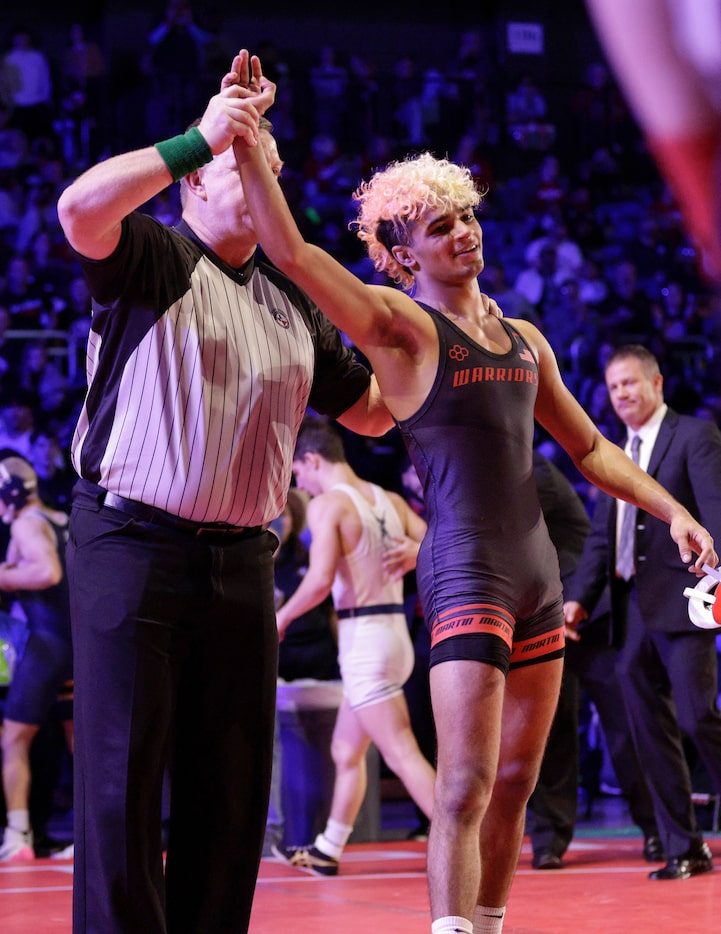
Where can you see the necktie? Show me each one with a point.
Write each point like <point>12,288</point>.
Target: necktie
<point>625,554</point>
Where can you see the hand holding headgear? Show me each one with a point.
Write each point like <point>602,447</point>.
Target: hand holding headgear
<point>704,609</point>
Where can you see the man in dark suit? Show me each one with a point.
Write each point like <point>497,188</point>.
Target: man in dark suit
<point>668,669</point>
<point>590,664</point>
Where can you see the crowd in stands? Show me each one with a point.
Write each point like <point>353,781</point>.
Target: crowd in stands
<point>586,241</point>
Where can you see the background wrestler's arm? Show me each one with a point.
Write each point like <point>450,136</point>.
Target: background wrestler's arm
<point>324,555</point>
<point>32,560</point>
<point>402,556</point>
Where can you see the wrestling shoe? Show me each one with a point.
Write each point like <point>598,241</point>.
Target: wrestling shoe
<point>16,845</point>
<point>67,852</point>
<point>307,857</point>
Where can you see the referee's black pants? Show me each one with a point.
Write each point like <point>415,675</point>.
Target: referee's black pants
<point>175,658</point>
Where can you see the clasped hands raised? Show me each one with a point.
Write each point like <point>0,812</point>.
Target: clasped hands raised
<point>245,94</point>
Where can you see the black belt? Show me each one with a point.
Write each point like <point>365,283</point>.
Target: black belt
<point>146,513</point>
<point>353,611</point>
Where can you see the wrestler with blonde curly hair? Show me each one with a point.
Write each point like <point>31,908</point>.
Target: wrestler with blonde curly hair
<point>464,386</point>
<point>399,195</point>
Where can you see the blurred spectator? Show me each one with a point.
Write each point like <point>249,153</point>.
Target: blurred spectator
<point>286,128</point>
<point>572,329</point>
<point>13,141</point>
<point>551,187</point>
<point>17,419</point>
<point>11,202</point>
<point>626,313</point>
<point>649,250</point>
<point>471,152</point>
<point>83,98</point>
<point>328,83</point>
<point>406,92</point>
<point>39,212</point>
<point>512,303</point>
<point>526,116</point>
<point>569,257</point>
<point>173,61</point>
<point>474,71</point>
<point>75,320</point>
<point>34,367</point>
<point>55,478</point>
<point>8,352</point>
<point>30,307</point>
<point>27,79</point>
<point>541,280</point>
<point>50,266</point>
<point>525,104</point>
<point>601,118</point>
<point>678,318</point>
<point>592,284</point>
<point>437,98</point>
<point>580,213</point>
<point>361,111</point>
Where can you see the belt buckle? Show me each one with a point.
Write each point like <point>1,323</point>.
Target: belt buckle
<point>214,530</point>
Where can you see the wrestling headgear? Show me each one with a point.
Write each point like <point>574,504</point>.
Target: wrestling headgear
<point>18,482</point>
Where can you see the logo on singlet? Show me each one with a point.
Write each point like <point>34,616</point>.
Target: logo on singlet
<point>281,318</point>
<point>381,520</point>
<point>457,352</point>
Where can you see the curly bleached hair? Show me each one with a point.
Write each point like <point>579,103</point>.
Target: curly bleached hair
<point>397,195</point>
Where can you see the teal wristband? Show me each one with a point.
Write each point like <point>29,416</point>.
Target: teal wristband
<point>185,153</point>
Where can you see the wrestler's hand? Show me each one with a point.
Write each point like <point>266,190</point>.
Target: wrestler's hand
<point>573,615</point>
<point>692,538</point>
<point>491,306</point>
<point>246,73</point>
<point>233,113</point>
<point>400,557</point>
<point>282,622</point>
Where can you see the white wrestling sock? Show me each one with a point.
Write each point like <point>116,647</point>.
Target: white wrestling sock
<point>334,838</point>
<point>452,925</point>
<point>19,820</point>
<point>488,920</point>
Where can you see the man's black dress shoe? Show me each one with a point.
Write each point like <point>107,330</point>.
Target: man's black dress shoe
<point>653,850</point>
<point>546,860</point>
<point>692,863</point>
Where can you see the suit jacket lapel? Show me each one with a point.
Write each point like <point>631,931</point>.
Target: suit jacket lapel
<point>663,440</point>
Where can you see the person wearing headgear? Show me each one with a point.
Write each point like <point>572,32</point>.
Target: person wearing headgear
<point>34,570</point>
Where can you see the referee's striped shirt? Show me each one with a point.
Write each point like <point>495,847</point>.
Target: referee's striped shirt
<point>199,376</point>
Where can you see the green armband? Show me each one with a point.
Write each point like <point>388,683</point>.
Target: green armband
<point>185,153</point>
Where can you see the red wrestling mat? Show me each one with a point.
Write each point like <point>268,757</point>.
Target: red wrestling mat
<point>382,888</point>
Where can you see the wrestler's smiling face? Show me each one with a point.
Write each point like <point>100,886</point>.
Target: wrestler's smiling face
<point>445,246</point>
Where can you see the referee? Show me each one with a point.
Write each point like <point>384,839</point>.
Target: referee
<point>201,362</point>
